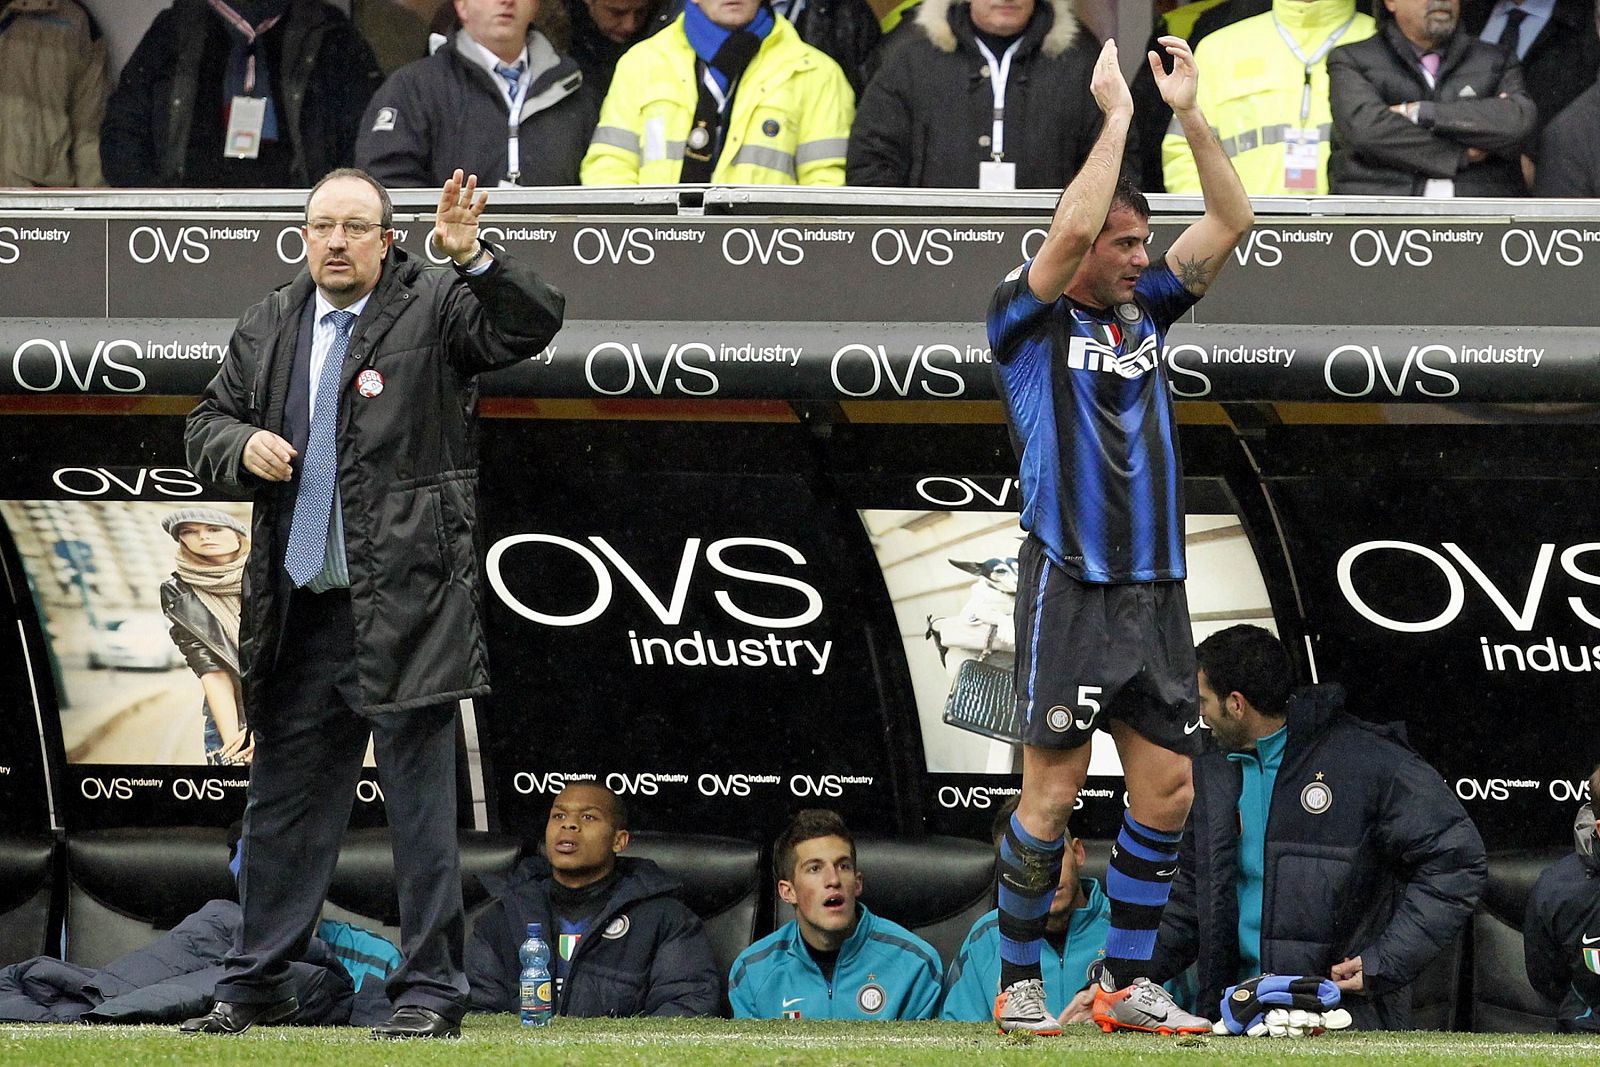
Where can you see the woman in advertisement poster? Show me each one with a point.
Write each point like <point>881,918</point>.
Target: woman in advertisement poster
<point>202,602</point>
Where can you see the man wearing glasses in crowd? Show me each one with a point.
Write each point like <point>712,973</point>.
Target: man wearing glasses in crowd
<point>347,404</point>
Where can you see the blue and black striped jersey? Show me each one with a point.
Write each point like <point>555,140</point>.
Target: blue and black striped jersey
<point>1087,398</point>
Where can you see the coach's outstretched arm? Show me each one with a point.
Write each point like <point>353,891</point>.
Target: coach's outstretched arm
<point>1081,213</point>
<point>1201,251</point>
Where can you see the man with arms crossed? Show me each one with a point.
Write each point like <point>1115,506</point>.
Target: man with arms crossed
<point>1103,634</point>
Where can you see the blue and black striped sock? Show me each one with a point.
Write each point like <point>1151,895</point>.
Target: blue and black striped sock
<point>1138,881</point>
<point>1029,870</point>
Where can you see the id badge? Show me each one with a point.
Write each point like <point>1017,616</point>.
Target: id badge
<point>995,175</point>
<point>1301,159</point>
<point>245,119</point>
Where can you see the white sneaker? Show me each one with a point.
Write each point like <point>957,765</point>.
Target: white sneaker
<point>1020,1006</point>
<point>1147,1007</point>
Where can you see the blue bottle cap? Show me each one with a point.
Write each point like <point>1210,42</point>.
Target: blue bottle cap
<point>536,930</point>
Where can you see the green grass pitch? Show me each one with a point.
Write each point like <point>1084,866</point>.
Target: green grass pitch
<point>719,1043</point>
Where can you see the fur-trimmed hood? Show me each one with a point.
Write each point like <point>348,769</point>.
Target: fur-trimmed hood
<point>934,18</point>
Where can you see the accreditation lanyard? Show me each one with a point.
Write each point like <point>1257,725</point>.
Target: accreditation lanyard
<point>514,123</point>
<point>1327,46</point>
<point>999,71</point>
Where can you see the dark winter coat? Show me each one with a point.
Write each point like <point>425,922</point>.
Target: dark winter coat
<point>926,118</point>
<point>170,979</point>
<point>659,964</point>
<point>410,499</point>
<point>1382,862</point>
<point>1561,941</point>
<point>1569,151</point>
<point>1560,63</point>
<point>446,111</point>
<point>1478,101</point>
<point>164,126</point>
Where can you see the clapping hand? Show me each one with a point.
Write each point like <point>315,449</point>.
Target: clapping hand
<point>1109,87</point>
<point>1179,87</point>
<point>455,226</point>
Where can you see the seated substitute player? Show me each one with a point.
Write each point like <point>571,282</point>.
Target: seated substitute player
<point>1319,844</point>
<point>1074,938</point>
<point>621,943</point>
<point>835,959</point>
<point>1561,931</point>
<point>1103,637</point>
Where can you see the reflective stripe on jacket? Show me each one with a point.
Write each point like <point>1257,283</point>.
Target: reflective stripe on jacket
<point>790,123</point>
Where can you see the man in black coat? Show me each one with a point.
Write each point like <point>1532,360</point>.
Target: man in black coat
<point>622,943</point>
<point>1422,108</point>
<point>454,108</point>
<point>300,61</point>
<point>1318,844</point>
<point>979,94</point>
<point>1558,49</point>
<point>1561,929</point>
<point>347,403</point>
<point>1569,152</point>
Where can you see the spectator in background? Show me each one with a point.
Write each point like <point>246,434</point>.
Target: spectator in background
<point>834,959</point>
<point>1426,109</point>
<point>1319,844</point>
<point>52,94</point>
<point>256,94</point>
<point>728,93</point>
<point>604,29</point>
<point>1074,938</point>
<point>1561,928</point>
<point>455,108</point>
<point>1569,151</point>
<point>1264,86</point>
<point>979,94</point>
<point>1556,43</point>
<point>621,944</point>
<point>396,34</point>
<point>846,31</point>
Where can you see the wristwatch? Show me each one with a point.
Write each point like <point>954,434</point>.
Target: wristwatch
<point>477,257</point>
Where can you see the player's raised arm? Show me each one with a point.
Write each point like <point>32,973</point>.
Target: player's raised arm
<point>1201,251</point>
<point>1082,210</point>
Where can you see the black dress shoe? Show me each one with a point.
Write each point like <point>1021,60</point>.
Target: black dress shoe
<point>414,1021</point>
<point>226,1018</point>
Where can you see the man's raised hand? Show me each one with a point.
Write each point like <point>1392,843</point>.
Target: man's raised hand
<point>455,226</point>
<point>1109,87</point>
<point>1179,87</point>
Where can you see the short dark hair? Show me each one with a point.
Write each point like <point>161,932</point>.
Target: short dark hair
<point>387,217</point>
<point>1127,195</point>
<point>807,825</point>
<point>1249,660</point>
<point>619,807</point>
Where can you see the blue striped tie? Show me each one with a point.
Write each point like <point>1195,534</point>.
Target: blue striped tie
<point>512,75</point>
<point>319,471</point>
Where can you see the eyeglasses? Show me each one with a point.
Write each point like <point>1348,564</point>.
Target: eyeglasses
<point>355,229</point>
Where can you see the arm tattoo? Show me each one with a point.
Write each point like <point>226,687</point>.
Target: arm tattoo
<point>1196,274</point>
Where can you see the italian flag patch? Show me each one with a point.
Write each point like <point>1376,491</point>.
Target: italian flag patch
<point>1591,959</point>
<point>1108,334</point>
<point>567,944</point>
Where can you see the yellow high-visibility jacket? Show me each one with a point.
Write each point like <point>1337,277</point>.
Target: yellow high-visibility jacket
<point>790,123</point>
<point>1251,87</point>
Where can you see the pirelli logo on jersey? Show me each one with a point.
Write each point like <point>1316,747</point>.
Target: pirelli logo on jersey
<point>1101,354</point>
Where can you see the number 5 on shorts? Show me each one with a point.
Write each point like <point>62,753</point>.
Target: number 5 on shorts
<point>1086,699</point>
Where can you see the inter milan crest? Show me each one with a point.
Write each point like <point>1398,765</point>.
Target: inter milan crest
<point>616,928</point>
<point>1129,313</point>
<point>871,998</point>
<point>1316,797</point>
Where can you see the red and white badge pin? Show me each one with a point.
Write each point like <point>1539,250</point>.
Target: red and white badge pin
<point>369,383</point>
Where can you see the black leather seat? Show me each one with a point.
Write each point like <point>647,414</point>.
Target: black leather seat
<point>721,879</point>
<point>29,908</point>
<point>125,886</point>
<point>1502,999</point>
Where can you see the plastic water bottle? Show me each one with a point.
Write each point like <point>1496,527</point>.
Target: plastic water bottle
<point>534,991</point>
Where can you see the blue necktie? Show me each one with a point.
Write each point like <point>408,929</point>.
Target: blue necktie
<point>512,75</point>
<point>319,471</point>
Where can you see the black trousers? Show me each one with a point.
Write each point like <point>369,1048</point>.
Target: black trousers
<point>303,779</point>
